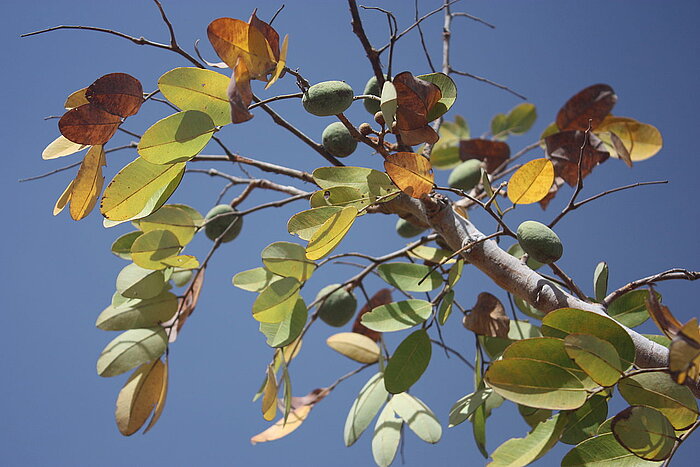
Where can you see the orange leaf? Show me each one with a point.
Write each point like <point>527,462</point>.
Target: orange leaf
<point>88,183</point>
<point>411,172</point>
<point>234,39</point>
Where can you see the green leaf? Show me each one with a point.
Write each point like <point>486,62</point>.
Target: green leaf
<point>277,301</point>
<point>370,399</point>
<point>151,248</point>
<point>467,405</point>
<point>433,255</point>
<point>367,181</point>
<point>536,383</point>
<point>254,280</point>
<point>136,282</point>
<point>355,346</point>
<point>449,94</point>
<point>564,321</point>
<point>600,281</point>
<point>288,260</point>
<point>131,349</point>
<point>397,316</point>
<point>446,307</point>
<point>196,216</point>
<point>455,273</point>
<point>603,451</point>
<point>286,331</point>
<point>387,435</point>
<point>499,127</point>
<point>644,432</point>
<point>406,276</point>
<point>181,278</point>
<point>519,452</point>
<point>177,138</point>
<point>418,416</point>
<point>135,313</point>
<point>139,189</point>
<point>331,233</point>
<point>533,416</point>
<point>527,309</point>
<point>494,346</point>
<point>445,153</point>
<point>305,224</point>
<point>521,118</point>
<point>598,358</point>
<point>340,196</point>
<point>173,219</point>
<point>584,422</point>
<point>658,390</point>
<point>408,363</point>
<point>192,88</point>
<point>630,309</point>
<point>122,246</point>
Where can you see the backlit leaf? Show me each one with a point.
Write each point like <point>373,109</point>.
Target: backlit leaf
<point>176,138</point>
<point>117,93</point>
<point>281,429</point>
<point>233,39</point>
<point>381,297</point>
<point>138,313</point>
<point>60,147</point>
<point>192,88</point>
<point>521,118</point>
<point>684,353</point>
<point>411,172</point>
<point>373,182</point>
<point>448,91</point>
<point>139,187</point>
<point>641,140</point>
<point>397,316</point>
<point>136,282</point>
<point>88,125</point>
<point>76,99</point>
<point>594,102</point>
<point>600,281</point>
<point>340,196</point>
<point>276,301</point>
<point>151,248</point>
<point>331,233</point>
<point>370,399</point>
<point>445,309</point>
<point>355,346</point>
<point>408,363</point>
<point>494,346</point>
<point>138,397</point>
<point>170,218</point>
<point>254,280</point>
<point>306,223</point>
<point>603,451</point>
<point>564,148</point>
<point>467,405</point>
<point>493,153</point>
<point>645,432</point>
<point>407,276</point>
<point>286,331</point>
<point>288,260</point>
<point>160,403</point>
<point>418,416</point>
<point>269,402</point>
<point>281,63</point>
<point>87,185</point>
<point>517,452</point>
<point>131,349</point>
<point>531,182</point>
<point>597,357</point>
<point>181,262</point>
<point>387,435</point>
<point>122,246</point>
<point>415,98</point>
<point>445,153</point>
<point>432,255</point>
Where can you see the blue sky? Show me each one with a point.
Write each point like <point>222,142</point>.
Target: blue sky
<point>60,274</point>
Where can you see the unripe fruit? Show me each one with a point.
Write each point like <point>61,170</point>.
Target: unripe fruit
<point>539,242</point>
<point>338,308</point>
<point>365,129</point>
<point>338,141</point>
<point>379,118</point>
<point>216,227</point>
<point>327,98</point>
<point>466,175</point>
<point>372,87</point>
<point>407,230</point>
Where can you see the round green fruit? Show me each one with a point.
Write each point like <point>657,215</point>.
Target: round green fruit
<point>466,175</point>
<point>327,98</point>
<point>372,87</point>
<point>338,308</point>
<point>407,230</point>
<point>215,228</point>
<point>338,141</point>
<point>539,242</point>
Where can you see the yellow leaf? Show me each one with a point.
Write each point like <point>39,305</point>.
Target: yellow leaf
<point>138,397</point>
<point>63,199</point>
<point>411,172</point>
<point>281,63</point>
<point>160,404</point>
<point>355,346</point>
<point>60,147</point>
<point>233,39</point>
<point>182,262</point>
<point>531,182</point>
<point>684,353</point>
<point>280,429</point>
<point>641,140</point>
<point>87,185</point>
<point>269,402</point>
<point>330,234</point>
<point>76,99</point>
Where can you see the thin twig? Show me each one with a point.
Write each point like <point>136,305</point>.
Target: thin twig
<point>276,13</point>
<point>298,95</point>
<point>579,177</point>
<point>48,174</point>
<point>417,22</point>
<point>570,284</point>
<point>258,182</point>
<point>679,441</point>
<point>472,17</point>
<point>671,274</point>
<point>453,352</point>
<point>348,375</point>
<point>488,81</point>
<point>275,204</point>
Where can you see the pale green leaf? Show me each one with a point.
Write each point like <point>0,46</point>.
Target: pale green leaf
<point>600,281</point>
<point>277,301</point>
<point>418,416</point>
<point>603,451</point>
<point>131,349</point>
<point>122,246</point>
<point>355,346</point>
<point>448,90</point>
<point>136,282</point>
<point>151,248</point>
<point>254,280</point>
<point>467,405</point>
<point>331,233</point>
<point>644,432</point>
<point>171,218</point>
<point>137,313</point>
<point>286,331</point>
<point>409,276</point>
<point>177,138</point>
<point>597,357</point>
<point>288,260</point>
<point>387,435</point>
<point>397,316</point>
<point>370,399</point>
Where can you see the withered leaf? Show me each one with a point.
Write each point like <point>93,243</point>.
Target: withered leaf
<point>684,353</point>
<point>382,297</point>
<point>411,172</point>
<point>667,323</point>
<point>185,308</point>
<point>311,398</point>
<point>493,153</point>
<point>117,93</point>
<point>488,317</point>
<point>593,102</point>
<point>564,148</point>
<point>415,98</point>
<point>273,39</point>
<point>88,124</point>
<point>240,95</point>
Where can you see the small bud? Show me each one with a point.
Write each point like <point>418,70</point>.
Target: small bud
<point>379,118</point>
<point>365,129</point>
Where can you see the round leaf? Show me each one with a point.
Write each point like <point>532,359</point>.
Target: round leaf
<point>531,182</point>
<point>151,248</point>
<point>449,94</point>
<point>136,313</point>
<point>136,282</point>
<point>598,358</point>
<point>254,280</point>
<point>418,416</point>
<point>411,172</point>
<point>631,308</point>
<point>176,138</point>
<point>192,88</point>
<point>305,224</point>
<point>602,451</point>
<point>277,301</point>
<point>644,432</point>
<point>117,93</point>
<point>397,316</point>
<point>173,219</point>
<point>122,246</point>
<point>288,260</point>
<point>88,124</point>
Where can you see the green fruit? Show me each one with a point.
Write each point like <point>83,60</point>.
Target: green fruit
<point>539,242</point>
<point>338,308</point>
<point>327,98</point>
<point>338,141</point>
<point>372,87</point>
<point>217,227</point>
<point>407,230</point>
<point>466,175</point>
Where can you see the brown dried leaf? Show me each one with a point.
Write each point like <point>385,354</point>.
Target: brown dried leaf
<point>488,317</point>
<point>620,149</point>
<point>240,95</point>
<point>89,125</point>
<point>411,172</point>
<point>87,185</point>
<point>493,153</point>
<point>234,39</point>
<point>684,353</point>
<point>593,102</point>
<point>382,297</point>
<point>564,148</point>
<point>138,397</point>
<point>666,322</point>
<point>273,39</point>
<point>117,93</point>
<point>185,308</point>
<point>415,98</point>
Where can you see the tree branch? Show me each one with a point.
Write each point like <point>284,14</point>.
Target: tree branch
<point>671,274</point>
